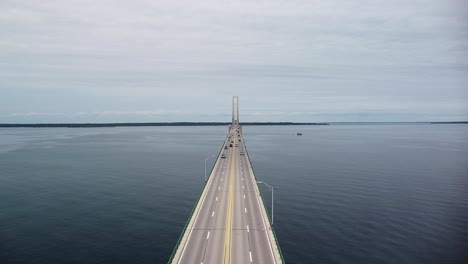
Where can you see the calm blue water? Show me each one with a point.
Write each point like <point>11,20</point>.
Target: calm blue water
<point>345,194</point>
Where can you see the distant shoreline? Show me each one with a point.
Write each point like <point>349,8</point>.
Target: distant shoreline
<point>85,125</point>
<point>78,125</point>
<point>453,123</point>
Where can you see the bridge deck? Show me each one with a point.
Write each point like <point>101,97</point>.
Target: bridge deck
<point>230,223</point>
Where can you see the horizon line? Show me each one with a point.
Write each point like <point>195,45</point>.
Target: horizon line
<point>185,123</point>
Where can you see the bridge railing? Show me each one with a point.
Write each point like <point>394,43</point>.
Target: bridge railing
<point>171,258</point>
<point>263,201</point>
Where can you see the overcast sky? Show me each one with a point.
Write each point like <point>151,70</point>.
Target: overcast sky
<point>287,60</point>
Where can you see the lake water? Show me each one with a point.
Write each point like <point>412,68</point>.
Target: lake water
<point>344,193</point>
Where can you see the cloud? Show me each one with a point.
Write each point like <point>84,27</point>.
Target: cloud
<point>30,114</point>
<point>290,56</point>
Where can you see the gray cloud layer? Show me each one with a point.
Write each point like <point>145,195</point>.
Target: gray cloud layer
<point>106,61</point>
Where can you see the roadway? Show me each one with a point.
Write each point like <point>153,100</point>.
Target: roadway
<point>229,224</point>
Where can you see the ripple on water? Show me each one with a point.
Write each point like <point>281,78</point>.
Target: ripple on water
<point>344,194</point>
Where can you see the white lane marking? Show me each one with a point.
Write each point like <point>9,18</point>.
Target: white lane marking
<point>245,210</point>
<point>242,186</point>
<point>196,217</point>
<point>242,178</point>
<point>222,172</point>
<point>263,217</point>
<point>241,172</point>
<point>208,236</point>
<point>219,187</point>
<point>216,198</point>
<point>212,214</point>
<point>244,196</point>
<point>247,228</point>
<point>250,252</point>
<point>221,179</point>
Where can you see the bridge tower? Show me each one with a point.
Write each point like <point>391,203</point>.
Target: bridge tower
<point>235,110</point>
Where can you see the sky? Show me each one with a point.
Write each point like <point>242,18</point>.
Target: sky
<point>287,60</point>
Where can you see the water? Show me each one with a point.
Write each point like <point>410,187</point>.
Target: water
<point>345,194</point>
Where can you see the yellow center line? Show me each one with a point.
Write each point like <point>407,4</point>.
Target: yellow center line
<point>232,208</point>
<point>228,226</point>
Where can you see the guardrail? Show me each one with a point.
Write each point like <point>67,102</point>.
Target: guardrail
<point>263,201</point>
<point>171,258</point>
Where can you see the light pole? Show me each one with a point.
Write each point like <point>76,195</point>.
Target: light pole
<point>272,208</point>
<point>212,156</point>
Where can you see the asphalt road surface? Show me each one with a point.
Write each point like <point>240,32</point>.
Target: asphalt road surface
<point>229,227</point>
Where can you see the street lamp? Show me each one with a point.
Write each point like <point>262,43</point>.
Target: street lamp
<point>212,156</point>
<point>272,208</point>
